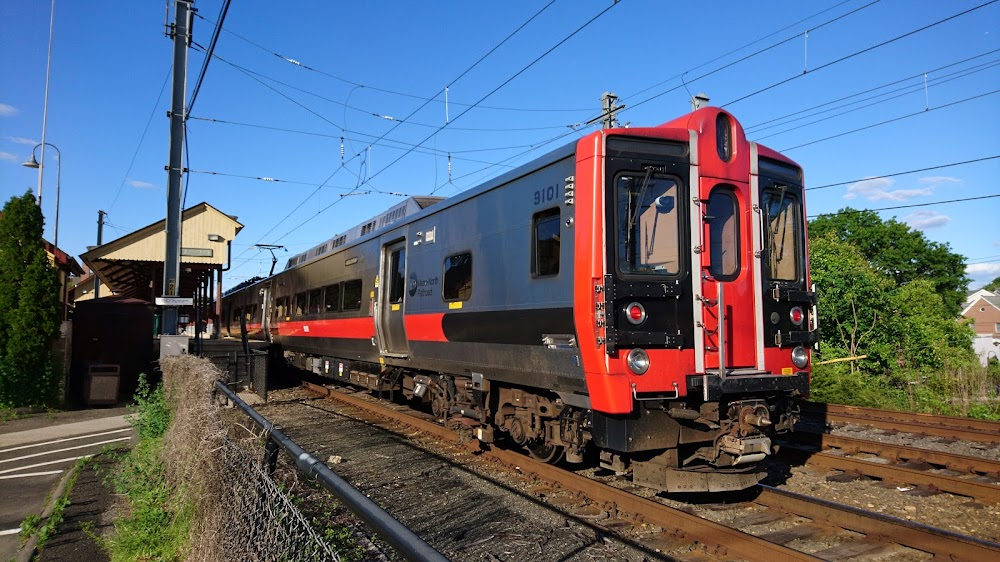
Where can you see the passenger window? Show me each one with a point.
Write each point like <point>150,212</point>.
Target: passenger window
<point>457,277</point>
<point>723,234</point>
<point>315,301</point>
<point>300,304</point>
<point>545,248</point>
<point>333,298</point>
<point>352,295</point>
<point>397,269</point>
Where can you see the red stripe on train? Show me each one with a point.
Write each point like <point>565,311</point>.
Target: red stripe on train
<point>349,328</point>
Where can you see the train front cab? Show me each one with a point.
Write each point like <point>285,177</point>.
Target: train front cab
<point>699,300</point>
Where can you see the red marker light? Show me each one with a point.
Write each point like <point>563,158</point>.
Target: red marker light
<point>636,313</point>
<point>797,316</point>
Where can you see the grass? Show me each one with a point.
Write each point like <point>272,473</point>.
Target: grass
<point>34,525</point>
<point>957,390</point>
<point>157,516</point>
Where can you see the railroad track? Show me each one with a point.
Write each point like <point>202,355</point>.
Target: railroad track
<point>803,517</point>
<point>963,475</point>
<point>963,429</point>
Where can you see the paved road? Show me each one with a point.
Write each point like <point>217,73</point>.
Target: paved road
<point>34,456</point>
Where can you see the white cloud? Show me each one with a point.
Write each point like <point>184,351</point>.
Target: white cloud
<point>22,140</point>
<point>878,189</point>
<point>7,110</point>
<point>983,269</point>
<point>935,181</point>
<point>140,184</point>
<point>7,157</point>
<point>922,220</point>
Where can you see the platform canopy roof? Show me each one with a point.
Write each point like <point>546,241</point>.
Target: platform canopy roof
<point>132,266</point>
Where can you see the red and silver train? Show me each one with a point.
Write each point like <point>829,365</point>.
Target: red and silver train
<point>642,292</point>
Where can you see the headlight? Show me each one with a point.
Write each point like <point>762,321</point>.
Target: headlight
<point>800,357</point>
<point>638,361</point>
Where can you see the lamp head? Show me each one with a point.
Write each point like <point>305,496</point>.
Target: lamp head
<point>31,163</point>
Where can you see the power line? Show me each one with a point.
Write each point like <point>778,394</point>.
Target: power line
<point>893,120</point>
<point>853,211</point>
<point>504,83</point>
<point>857,53</point>
<point>917,88</point>
<point>742,59</point>
<point>208,57</point>
<point>300,64</point>
<point>469,108</point>
<point>765,49</point>
<point>868,91</point>
<point>904,173</point>
<point>142,137</point>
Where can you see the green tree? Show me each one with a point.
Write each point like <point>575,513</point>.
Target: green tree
<point>29,307</point>
<point>993,285</point>
<point>855,306</point>
<point>896,250</point>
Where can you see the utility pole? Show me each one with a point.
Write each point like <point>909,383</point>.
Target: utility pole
<point>100,240</point>
<point>610,111</point>
<point>180,32</point>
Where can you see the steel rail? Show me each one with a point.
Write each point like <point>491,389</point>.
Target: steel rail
<point>724,541</point>
<point>403,540</point>
<point>983,491</point>
<point>852,445</point>
<point>964,429</point>
<point>944,544</point>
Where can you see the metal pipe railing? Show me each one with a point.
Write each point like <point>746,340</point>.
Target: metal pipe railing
<point>403,540</point>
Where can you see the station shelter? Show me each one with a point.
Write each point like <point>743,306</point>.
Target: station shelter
<point>131,267</point>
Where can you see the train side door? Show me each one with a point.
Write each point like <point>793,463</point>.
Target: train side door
<point>391,300</point>
<point>727,280</point>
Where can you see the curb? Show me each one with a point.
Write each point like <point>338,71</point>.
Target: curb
<point>28,551</point>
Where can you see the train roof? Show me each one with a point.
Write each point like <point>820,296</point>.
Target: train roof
<point>392,215</point>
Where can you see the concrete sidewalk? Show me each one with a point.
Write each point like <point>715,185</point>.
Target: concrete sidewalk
<point>60,430</point>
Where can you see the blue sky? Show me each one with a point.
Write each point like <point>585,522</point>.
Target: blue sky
<point>368,67</point>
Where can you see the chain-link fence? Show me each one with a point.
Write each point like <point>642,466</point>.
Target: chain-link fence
<point>258,521</point>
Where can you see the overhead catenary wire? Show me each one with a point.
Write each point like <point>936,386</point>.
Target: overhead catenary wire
<point>208,57</point>
<point>142,137</point>
<point>764,124</point>
<point>299,64</point>
<point>910,206</point>
<point>467,109</point>
<point>860,52</point>
<point>893,120</point>
<point>905,92</point>
<point>894,174</point>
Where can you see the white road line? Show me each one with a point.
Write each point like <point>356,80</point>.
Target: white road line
<point>71,459</point>
<point>28,474</point>
<point>10,532</point>
<point>2,451</point>
<point>65,449</point>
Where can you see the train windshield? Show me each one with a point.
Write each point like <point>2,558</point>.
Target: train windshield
<point>647,222</point>
<point>782,233</point>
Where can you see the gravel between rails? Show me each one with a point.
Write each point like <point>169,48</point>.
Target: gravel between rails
<point>467,509</point>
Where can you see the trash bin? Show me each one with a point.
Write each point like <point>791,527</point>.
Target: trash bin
<point>102,385</point>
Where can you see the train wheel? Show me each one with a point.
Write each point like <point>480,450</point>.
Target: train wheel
<point>545,452</point>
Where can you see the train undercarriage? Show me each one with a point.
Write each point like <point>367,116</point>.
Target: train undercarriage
<point>670,445</point>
